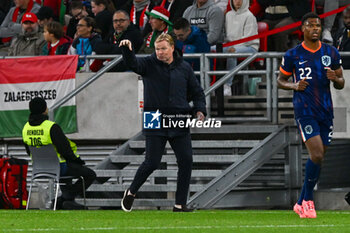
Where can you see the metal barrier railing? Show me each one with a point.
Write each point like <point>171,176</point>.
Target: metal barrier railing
<point>60,102</point>
<point>270,71</point>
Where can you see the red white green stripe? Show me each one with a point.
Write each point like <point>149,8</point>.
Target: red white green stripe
<point>49,77</point>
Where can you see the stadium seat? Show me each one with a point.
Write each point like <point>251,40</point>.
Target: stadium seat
<point>262,27</point>
<point>47,165</point>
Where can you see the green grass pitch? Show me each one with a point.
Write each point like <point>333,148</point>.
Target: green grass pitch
<point>200,221</point>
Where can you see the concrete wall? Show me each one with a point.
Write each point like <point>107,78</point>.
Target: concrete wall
<point>341,103</point>
<point>108,108</point>
<point>330,200</point>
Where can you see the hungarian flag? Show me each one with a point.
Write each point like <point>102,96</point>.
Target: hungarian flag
<point>22,79</point>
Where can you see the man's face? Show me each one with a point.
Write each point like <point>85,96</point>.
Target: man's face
<point>312,29</point>
<point>120,22</point>
<point>43,22</point>
<point>237,4</point>
<point>201,2</point>
<point>164,51</point>
<point>182,34</point>
<point>156,24</point>
<point>21,3</point>
<point>29,27</point>
<point>346,19</point>
<point>79,13</point>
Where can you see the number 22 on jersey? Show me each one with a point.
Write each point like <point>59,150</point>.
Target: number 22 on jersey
<point>305,73</point>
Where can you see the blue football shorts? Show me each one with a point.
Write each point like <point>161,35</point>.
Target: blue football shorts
<point>310,126</point>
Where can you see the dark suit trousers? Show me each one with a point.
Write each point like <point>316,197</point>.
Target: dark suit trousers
<point>154,150</point>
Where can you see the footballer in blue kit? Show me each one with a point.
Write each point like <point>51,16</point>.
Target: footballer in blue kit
<point>313,66</point>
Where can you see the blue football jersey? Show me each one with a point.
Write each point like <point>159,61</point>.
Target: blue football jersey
<point>304,63</point>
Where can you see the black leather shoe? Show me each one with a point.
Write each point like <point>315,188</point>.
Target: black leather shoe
<point>183,209</point>
<point>72,205</point>
<point>127,201</point>
<point>347,198</point>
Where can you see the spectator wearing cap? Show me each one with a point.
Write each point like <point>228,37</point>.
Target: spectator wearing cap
<point>45,16</point>
<point>57,42</point>
<point>138,14</point>
<point>70,162</point>
<point>208,17</point>
<point>159,21</point>
<point>30,41</point>
<point>11,26</point>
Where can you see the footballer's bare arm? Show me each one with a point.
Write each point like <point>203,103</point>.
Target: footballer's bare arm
<point>283,83</point>
<point>336,76</point>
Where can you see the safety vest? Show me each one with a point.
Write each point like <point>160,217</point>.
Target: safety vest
<point>39,135</point>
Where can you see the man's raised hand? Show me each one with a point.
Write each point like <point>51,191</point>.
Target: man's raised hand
<point>126,43</point>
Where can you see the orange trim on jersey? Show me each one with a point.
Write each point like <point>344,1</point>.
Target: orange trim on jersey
<point>311,50</point>
<point>285,72</point>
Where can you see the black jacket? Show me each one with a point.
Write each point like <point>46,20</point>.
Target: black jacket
<point>168,88</point>
<point>58,138</point>
<point>104,22</point>
<point>122,5</point>
<point>94,39</point>
<point>178,8</point>
<point>342,43</point>
<point>111,45</point>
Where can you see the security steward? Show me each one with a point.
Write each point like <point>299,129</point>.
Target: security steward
<point>39,131</point>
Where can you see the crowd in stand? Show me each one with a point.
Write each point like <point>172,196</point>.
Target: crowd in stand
<point>54,27</point>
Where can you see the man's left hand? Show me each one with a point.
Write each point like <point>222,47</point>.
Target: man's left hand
<point>200,116</point>
<point>331,74</point>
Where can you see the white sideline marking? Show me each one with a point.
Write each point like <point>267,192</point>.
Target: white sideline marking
<point>269,212</point>
<point>174,227</point>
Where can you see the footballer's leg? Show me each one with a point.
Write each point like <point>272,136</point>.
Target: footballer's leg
<point>310,132</point>
<point>316,150</point>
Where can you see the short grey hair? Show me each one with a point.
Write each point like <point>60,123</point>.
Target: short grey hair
<point>124,12</point>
